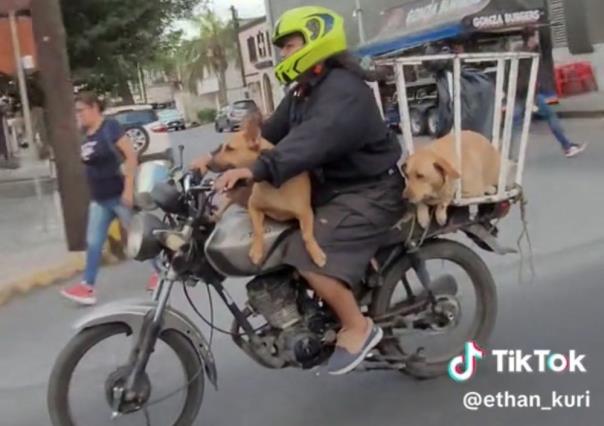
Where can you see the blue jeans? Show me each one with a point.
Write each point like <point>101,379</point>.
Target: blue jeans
<point>549,115</point>
<point>100,216</point>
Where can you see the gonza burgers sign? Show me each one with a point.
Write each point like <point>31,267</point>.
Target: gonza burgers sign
<point>507,19</point>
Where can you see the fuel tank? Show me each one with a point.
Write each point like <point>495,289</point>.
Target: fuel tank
<point>227,248</point>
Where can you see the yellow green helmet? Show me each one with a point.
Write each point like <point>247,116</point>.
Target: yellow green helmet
<point>324,36</point>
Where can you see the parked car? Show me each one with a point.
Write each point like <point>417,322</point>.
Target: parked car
<point>230,117</point>
<point>148,134</point>
<point>172,118</point>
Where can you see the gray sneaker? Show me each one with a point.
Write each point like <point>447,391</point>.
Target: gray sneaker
<point>574,150</point>
<point>342,361</point>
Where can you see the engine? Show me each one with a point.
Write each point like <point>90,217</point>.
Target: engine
<point>302,330</point>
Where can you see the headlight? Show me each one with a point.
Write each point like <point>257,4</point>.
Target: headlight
<point>148,175</point>
<point>168,198</point>
<point>142,244</point>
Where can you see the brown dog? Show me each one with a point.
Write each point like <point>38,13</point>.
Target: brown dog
<point>288,202</point>
<point>432,172</point>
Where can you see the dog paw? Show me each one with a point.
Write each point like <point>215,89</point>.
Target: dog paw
<point>423,216</point>
<point>256,254</point>
<point>491,190</point>
<point>318,256</point>
<point>441,216</point>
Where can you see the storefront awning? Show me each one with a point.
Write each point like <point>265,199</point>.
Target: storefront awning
<point>424,21</point>
<point>409,41</point>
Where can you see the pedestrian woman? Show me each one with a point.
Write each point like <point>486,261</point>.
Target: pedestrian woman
<point>103,149</point>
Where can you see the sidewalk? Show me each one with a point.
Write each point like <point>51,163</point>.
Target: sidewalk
<point>587,105</point>
<point>32,245</point>
<point>33,251</point>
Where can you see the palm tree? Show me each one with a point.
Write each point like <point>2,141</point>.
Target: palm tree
<point>209,53</point>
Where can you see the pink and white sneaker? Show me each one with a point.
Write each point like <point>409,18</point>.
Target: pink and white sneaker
<point>153,282</point>
<point>81,293</point>
<point>575,150</point>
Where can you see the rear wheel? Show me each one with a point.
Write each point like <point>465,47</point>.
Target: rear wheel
<point>418,122</point>
<point>217,127</point>
<point>438,343</point>
<point>140,139</point>
<point>433,122</point>
<point>64,412</point>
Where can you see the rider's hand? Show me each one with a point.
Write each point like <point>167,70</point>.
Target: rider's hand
<point>230,178</point>
<point>201,163</point>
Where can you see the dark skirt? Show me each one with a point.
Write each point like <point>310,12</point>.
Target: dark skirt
<point>350,228</point>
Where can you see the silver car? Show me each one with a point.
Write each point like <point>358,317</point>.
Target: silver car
<point>230,117</point>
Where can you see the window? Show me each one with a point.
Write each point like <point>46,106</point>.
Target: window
<point>136,117</point>
<point>245,105</point>
<point>261,45</point>
<point>268,44</point>
<point>251,48</point>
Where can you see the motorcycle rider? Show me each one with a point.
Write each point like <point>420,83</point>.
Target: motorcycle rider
<point>329,125</point>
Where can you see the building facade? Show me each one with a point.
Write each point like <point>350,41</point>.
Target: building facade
<point>578,33</point>
<point>208,87</point>
<point>258,64</point>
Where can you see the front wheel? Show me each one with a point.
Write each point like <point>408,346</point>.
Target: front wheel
<point>64,411</point>
<point>469,311</point>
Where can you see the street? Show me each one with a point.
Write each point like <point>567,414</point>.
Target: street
<point>558,310</point>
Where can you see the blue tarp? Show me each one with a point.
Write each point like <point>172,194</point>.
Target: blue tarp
<point>407,41</point>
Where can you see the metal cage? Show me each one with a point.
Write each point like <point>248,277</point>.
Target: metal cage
<point>511,171</point>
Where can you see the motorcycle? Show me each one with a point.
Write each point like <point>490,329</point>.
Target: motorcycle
<point>296,329</point>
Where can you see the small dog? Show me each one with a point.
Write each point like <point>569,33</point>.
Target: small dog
<point>288,202</point>
<point>432,170</point>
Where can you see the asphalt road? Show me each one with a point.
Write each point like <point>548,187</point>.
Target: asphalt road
<point>559,310</point>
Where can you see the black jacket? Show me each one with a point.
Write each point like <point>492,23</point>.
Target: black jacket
<point>331,127</point>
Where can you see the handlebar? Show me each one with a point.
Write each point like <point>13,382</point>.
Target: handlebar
<point>199,193</point>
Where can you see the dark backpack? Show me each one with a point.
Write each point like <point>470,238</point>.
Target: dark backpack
<point>477,103</point>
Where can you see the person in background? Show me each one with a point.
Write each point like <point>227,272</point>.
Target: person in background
<point>530,43</point>
<point>112,193</point>
<point>3,144</point>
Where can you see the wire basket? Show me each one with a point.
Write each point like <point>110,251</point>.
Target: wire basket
<point>506,85</point>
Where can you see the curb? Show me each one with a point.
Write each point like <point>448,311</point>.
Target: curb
<point>72,265</point>
<point>52,274</point>
<point>66,269</point>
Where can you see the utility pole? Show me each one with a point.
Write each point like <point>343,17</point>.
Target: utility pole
<point>240,55</point>
<point>49,35</point>
<point>29,134</point>
<point>358,13</point>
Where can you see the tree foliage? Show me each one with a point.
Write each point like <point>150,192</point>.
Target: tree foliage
<point>107,39</point>
<point>208,53</point>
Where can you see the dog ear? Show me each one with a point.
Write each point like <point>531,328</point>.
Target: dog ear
<point>253,144</point>
<point>252,125</point>
<point>446,169</point>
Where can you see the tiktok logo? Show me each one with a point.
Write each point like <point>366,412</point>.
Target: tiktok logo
<point>462,367</point>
